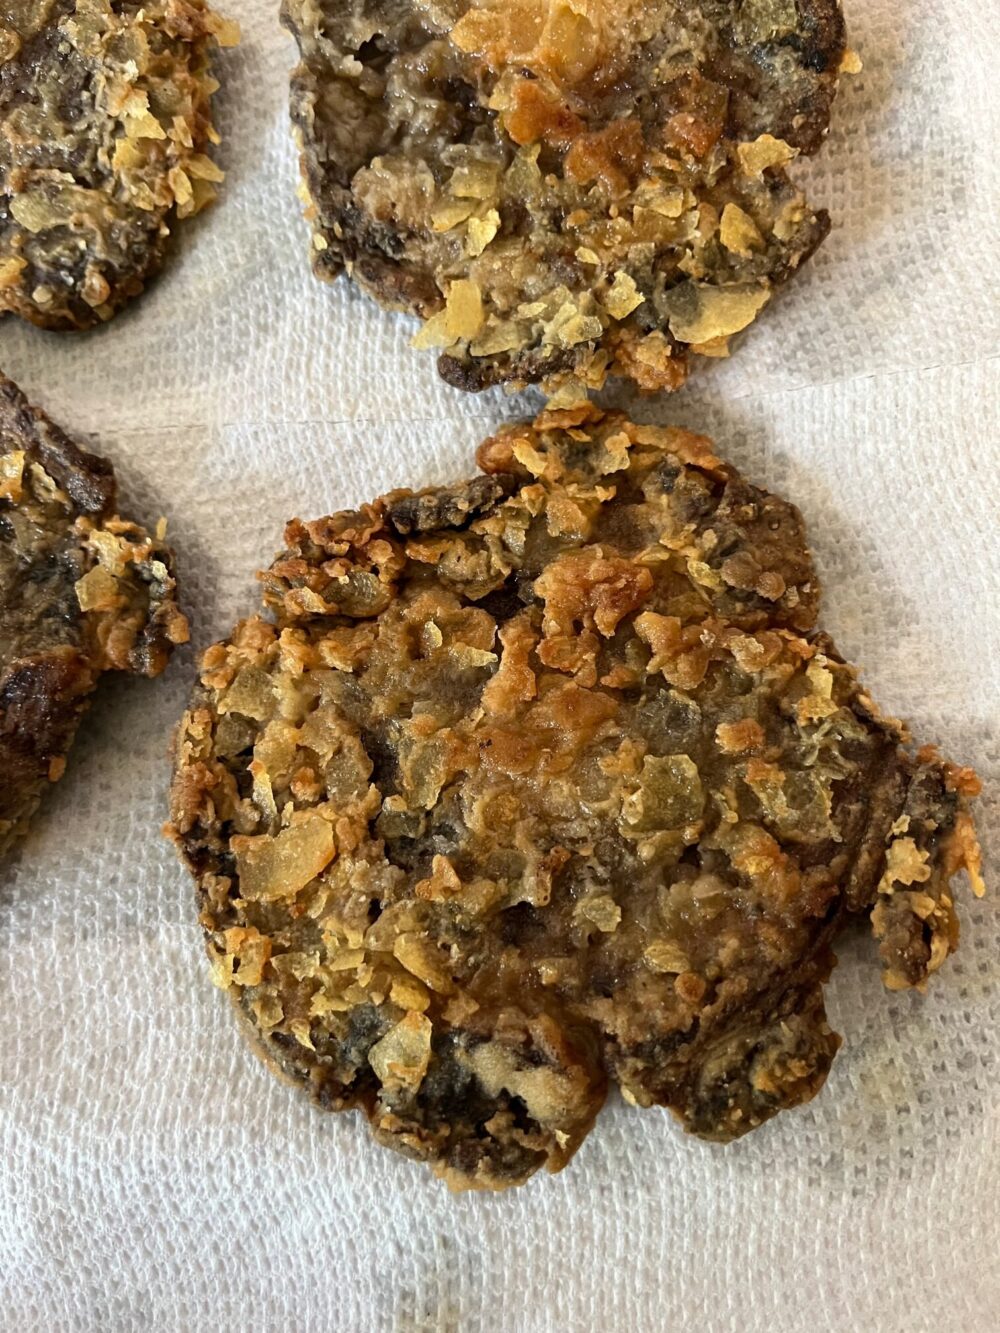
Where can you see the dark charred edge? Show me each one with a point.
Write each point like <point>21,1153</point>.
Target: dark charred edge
<point>886,796</point>
<point>87,479</point>
<point>743,509</point>
<point>368,252</point>
<point>153,645</point>
<point>288,23</point>
<point>901,785</point>
<point>533,365</point>
<point>825,38</point>
<point>701,1105</point>
<point>932,810</point>
<point>42,701</point>
<point>76,316</point>
<point>732,1103</point>
<point>444,507</point>
<point>821,231</point>
<point>392,286</point>
<point>821,225</point>
<point>819,46</point>
<point>884,790</point>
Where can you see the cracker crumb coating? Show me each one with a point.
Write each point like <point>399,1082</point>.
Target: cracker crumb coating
<point>547,780</point>
<point>82,591</point>
<point>564,189</point>
<point>105,136</point>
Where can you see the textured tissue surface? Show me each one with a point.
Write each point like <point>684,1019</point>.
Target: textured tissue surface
<point>152,1174</point>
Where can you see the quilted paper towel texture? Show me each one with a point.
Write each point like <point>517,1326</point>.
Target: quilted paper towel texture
<point>152,1174</point>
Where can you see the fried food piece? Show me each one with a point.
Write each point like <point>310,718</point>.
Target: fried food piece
<point>104,129</point>
<point>564,189</point>
<point>82,591</point>
<point>546,780</point>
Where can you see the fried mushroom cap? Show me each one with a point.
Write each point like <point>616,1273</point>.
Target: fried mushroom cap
<point>564,188</point>
<point>82,591</point>
<point>547,780</point>
<point>105,130</point>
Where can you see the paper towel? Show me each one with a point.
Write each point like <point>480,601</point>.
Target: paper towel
<point>152,1174</point>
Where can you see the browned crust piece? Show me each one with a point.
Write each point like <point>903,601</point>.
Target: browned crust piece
<point>564,190</point>
<point>82,591</point>
<point>105,127</point>
<point>546,780</point>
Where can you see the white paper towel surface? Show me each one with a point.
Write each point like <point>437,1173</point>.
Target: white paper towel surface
<point>152,1174</point>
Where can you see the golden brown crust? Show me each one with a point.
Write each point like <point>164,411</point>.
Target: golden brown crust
<point>546,780</point>
<point>564,190</point>
<point>105,127</point>
<point>82,591</point>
